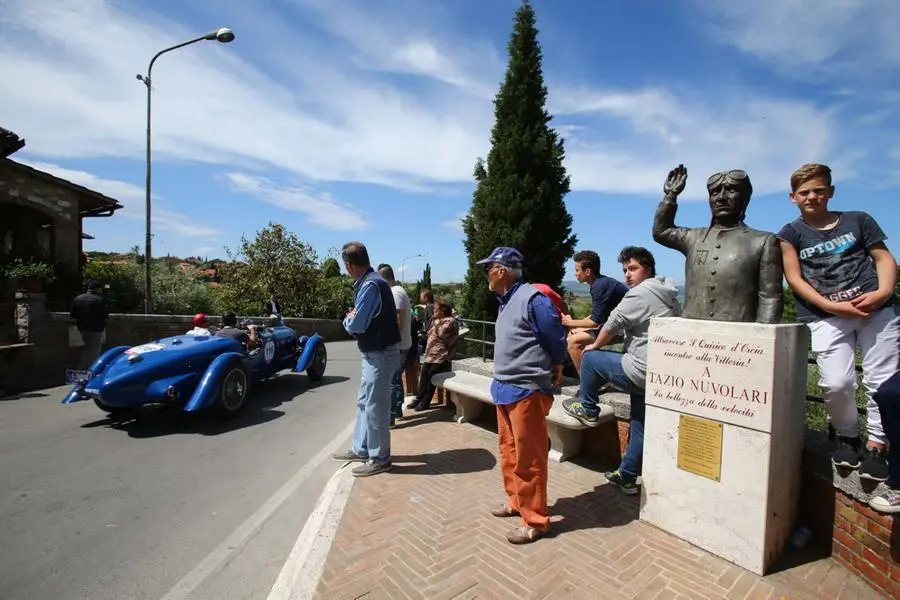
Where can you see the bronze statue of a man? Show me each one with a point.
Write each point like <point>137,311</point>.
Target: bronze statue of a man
<point>732,272</point>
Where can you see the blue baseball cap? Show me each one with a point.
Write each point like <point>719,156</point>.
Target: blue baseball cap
<point>502,255</point>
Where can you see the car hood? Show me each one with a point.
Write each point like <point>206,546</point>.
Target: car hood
<point>152,355</point>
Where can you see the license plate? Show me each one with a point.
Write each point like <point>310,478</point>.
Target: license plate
<point>77,376</point>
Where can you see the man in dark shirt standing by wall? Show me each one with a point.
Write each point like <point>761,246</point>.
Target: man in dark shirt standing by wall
<point>90,311</point>
<point>606,293</point>
<point>528,361</point>
<point>373,322</point>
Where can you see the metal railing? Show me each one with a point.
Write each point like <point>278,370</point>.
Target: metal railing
<point>483,341</point>
<point>811,361</point>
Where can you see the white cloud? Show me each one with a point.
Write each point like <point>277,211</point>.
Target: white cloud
<point>653,130</point>
<point>324,111</point>
<point>396,42</point>
<point>858,37</point>
<point>455,224</point>
<point>132,197</point>
<point>320,208</point>
<point>212,105</point>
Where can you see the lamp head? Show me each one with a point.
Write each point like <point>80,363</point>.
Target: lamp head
<point>223,35</point>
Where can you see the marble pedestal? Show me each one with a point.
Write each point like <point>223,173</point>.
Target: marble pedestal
<point>735,393</point>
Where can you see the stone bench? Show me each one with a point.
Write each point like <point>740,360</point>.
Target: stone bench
<point>470,392</point>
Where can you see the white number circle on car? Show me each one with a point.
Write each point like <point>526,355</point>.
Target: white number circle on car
<point>269,351</point>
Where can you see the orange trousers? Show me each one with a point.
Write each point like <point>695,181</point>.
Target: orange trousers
<point>522,429</point>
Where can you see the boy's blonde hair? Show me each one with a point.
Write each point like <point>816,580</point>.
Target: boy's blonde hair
<point>808,172</point>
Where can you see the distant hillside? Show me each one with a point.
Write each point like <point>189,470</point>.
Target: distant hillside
<point>579,289</point>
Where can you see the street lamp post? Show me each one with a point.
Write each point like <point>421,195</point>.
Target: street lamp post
<point>403,266</point>
<point>223,35</point>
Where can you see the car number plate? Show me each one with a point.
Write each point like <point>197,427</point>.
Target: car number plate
<point>77,376</point>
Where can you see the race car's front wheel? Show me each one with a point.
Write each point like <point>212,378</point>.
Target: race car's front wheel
<point>234,389</point>
<point>316,369</point>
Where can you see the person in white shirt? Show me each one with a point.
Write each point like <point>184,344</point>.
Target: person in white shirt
<point>201,325</point>
<point>404,322</point>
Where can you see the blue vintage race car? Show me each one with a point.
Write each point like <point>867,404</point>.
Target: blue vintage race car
<point>191,373</point>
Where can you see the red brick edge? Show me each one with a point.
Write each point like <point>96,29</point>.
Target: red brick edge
<point>867,543</point>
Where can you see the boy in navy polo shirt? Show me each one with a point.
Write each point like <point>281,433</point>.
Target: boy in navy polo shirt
<point>606,293</point>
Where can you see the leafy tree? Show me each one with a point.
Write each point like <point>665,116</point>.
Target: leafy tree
<point>277,261</point>
<point>175,292</point>
<point>790,306</point>
<point>331,268</point>
<point>135,254</point>
<point>126,283</point>
<point>520,189</point>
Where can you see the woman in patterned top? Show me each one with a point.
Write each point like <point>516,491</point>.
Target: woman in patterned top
<point>440,351</point>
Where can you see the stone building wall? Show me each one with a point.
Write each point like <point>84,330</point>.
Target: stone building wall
<point>23,188</point>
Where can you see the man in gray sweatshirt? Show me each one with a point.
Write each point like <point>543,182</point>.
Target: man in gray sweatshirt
<point>650,296</point>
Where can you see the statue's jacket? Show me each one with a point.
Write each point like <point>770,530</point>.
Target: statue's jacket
<point>731,274</point>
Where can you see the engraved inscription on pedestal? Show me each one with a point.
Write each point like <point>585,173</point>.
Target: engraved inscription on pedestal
<point>712,375</point>
<point>700,447</point>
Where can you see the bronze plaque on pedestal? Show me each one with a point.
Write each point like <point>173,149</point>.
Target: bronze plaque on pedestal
<point>700,447</point>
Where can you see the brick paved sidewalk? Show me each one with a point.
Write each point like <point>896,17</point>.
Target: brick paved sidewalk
<point>424,531</point>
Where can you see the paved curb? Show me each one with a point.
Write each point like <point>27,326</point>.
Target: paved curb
<point>303,568</point>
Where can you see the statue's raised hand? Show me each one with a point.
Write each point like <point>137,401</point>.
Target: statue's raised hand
<point>675,182</point>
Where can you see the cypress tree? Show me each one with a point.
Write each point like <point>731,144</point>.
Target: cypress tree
<point>426,277</point>
<point>520,190</point>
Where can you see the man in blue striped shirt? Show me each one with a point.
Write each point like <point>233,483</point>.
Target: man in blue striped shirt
<point>373,322</point>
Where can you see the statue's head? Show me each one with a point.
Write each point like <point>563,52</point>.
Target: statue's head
<point>729,195</point>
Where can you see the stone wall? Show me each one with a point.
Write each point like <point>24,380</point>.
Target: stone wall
<point>41,359</point>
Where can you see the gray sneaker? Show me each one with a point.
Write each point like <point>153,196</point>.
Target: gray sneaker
<point>350,456</point>
<point>887,502</point>
<point>372,467</point>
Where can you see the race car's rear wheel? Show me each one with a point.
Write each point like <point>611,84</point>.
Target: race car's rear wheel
<point>316,369</point>
<point>233,390</point>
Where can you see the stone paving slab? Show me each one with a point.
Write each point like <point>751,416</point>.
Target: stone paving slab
<point>424,531</point>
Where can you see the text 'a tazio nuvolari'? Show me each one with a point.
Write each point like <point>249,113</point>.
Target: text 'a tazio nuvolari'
<point>720,390</point>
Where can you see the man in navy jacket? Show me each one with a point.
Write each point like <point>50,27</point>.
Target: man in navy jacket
<point>373,322</point>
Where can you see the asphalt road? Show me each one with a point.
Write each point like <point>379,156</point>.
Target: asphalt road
<point>177,507</point>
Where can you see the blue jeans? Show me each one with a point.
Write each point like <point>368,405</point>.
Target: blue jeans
<point>597,368</point>
<point>888,399</point>
<point>397,387</point>
<point>372,433</point>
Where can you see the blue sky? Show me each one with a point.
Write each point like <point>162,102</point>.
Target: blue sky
<point>362,120</point>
